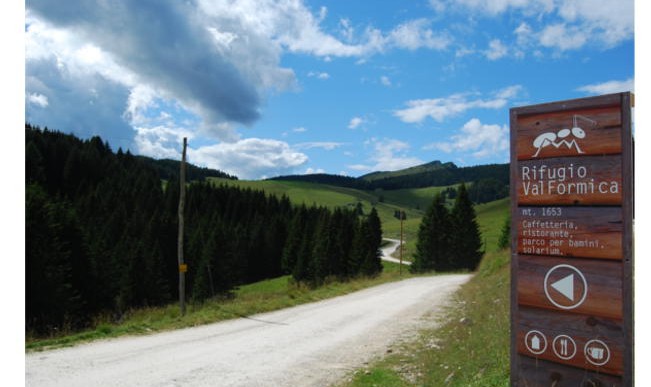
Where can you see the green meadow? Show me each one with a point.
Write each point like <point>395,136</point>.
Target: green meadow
<point>413,202</point>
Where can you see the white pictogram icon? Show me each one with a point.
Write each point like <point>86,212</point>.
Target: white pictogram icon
<point>597,352</point>
<point>561,137</point>
<point>564,347</point>
<point>568,282</point>
<point>535,342</point>
<point>565,286</point>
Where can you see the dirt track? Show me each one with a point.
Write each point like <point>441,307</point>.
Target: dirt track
<point>309,345</point>
<point>389,249</point>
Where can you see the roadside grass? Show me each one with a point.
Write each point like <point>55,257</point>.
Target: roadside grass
<point>468,344</point>
<point>247,300</point>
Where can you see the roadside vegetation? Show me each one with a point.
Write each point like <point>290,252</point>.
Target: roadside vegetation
<point>247,300</point>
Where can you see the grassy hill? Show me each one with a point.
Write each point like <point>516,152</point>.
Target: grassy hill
<point>431,174</point>
<point>429,167</point>
<point>413,201</point>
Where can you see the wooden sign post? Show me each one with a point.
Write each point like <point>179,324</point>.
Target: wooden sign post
<point>572,243</point>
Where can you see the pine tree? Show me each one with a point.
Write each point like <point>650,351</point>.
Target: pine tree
<point>321,252</point>
<point>294,240</point>
<point>344,227</point>
<point>505,235</point>
<point>34,168</point>
<point>433,248</point>
<point>203,286</point>
<point>375,229</point>
<point>360,259</point>
<point>466,239</point>
<point>51,297</point>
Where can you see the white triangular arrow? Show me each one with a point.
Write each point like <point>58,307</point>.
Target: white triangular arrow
<point>565,286</point>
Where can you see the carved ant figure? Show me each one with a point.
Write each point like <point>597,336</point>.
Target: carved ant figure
<point>549,138</point>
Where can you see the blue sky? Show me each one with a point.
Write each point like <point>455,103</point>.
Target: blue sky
<point>266,88</point>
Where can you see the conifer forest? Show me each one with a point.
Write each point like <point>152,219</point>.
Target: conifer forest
<point>101,234</point>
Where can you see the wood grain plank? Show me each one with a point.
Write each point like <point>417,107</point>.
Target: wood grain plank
<point>595,180</point>
<point>567,335</point>
<point>589,232</point>
<point>602,298</point>
<point>601,127</point>
<point>540,373</point>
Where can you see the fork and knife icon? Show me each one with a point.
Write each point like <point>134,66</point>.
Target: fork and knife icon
<point>564,351</point>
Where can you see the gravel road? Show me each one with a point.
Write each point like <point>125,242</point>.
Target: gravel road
<point>309,345</point>
<point>389,249</point>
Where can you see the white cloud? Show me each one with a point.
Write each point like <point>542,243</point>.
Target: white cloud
<point>509,92</point>
<point>92,105</point>
<point>311,171</point>
<point>141,99</point>
<point>563,37</point>
<point>609,87</point>
<point>387,155</point>
<point>319,75</point>
<point>326,145</point>
<point>37,99</point>
<point>346,30</point>
<point>495,7</point>
<point>463,51</point>
<point>441,108</point>
<point>480,139</point>
<point>355,122</point>
<point>160,141</point>
<point>557,24</point>
<point>524,34</point>
<point>299,130</point>
<point>86,44</point>
<point>610,21</point>
<point>496,50</point>
<point>251,158</point>
<point>384,80</point>
<point>437,5</point>
<point>226,57</point>
<point>415,34</point>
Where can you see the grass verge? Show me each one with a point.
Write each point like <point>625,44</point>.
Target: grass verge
<point>248,300</point>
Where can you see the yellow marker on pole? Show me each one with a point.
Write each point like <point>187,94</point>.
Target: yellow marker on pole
<point>183,268</point>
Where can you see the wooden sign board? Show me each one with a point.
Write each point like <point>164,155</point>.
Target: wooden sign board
<point>570,231</point>
<point>568,337</point>
<point>572,253</point>
<point>586,181</point>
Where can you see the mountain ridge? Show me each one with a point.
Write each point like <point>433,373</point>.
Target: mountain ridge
<point>435,173</point>
<point>431,166</point>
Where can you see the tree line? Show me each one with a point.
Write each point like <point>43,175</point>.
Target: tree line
<point>169,169</point>
<point>101,234</point>
<point>448,240</point>
<point>488,182</point>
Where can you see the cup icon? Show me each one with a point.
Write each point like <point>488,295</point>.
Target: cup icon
<point>596,353</point>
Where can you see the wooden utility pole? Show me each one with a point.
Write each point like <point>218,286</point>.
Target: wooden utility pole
<point>182,265</point>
